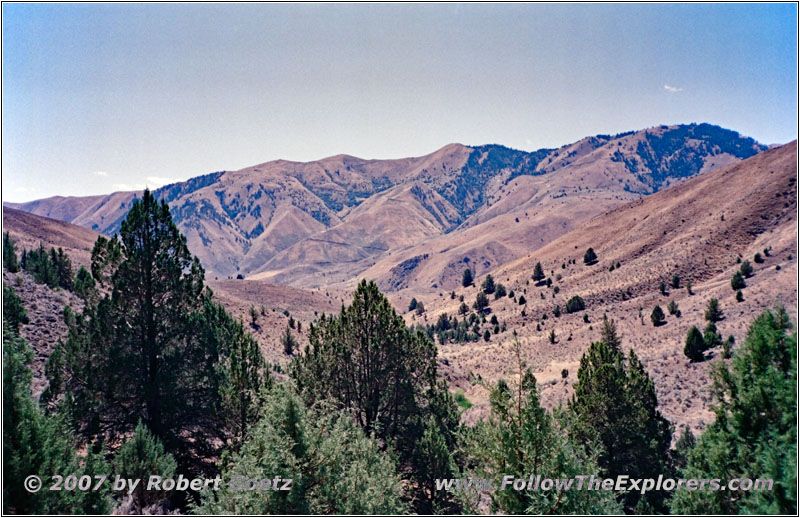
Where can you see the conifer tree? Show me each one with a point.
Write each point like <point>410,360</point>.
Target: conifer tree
<point>538,272</point>
<point>615,407</point>
<point>466,279</point>
<point>695,345</point>
<point>10,254</point>
<point>755,430</point>
<point>713,312</point>
<point>14,314</point>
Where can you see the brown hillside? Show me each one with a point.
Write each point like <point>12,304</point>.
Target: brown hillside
<point>696,230</point>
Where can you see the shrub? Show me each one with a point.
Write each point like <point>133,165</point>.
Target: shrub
<point>575,304</point>
<point>695,345</point>
<point>737,281</point>
<point>673,308</point>
<point>746,269</point>
<point>739,296</point>
<point>590,257</point>
<point>657,316</point>
<point>757,258</point>
<point>552,336</point>
<point>676,281</point>
<point>522,300</point>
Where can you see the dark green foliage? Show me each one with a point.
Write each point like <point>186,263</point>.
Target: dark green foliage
<point>676,281</point>
<point>14,314</point>
<point>499,291</point>
<point>140,457</point>
<point>585,318</point>
<point>413,304</point>
<point>695,345</point>
<point>711,337</point>
<point>755,430</point>
<point>488,285</point>
<point>10,254</point>
<point>84,285</point>
<point>727,347</point>
<point>420,308</point>
<point>335,468</point>
<point>40,265</point>
<point>739,296</point>
<point>466,278</point>
<point>746,269</point>
<point>590,257</point>
<point>662,287</point>
<point>575,304</point>
<point>615,407</point>
<point>689,288</point>
<point>557,311</point>
<point>288,342</point>
<point>757,258</point>
<point>37,444</point>
<point>522,300</point>
<point>683,447</point>
<point>713,312</point>
<point>481,301</point>
<point>551,337</point>
<point>564,373</point>
<point>737,282</point>
<point>538,272</point>
<point>521,437</point>
<point>156,349</point>
<point>253,316</point>
<point>657,316</point>
<point>672,307</point>
<point>369,363</point>
<point>487,336</point>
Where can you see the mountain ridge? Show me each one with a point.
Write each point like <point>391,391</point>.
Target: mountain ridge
<point>292,221</point>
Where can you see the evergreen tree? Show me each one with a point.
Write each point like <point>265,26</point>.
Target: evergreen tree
<point>333,466</point>
<point>466,279</point>
<point>739,296</point>
<point>695,345</point>
<point>609,334</point>
<point>499,291</point>
<point>146,352</point>
<point>412,305</point>
<point>713,312</point>
<point>710,336</point>
<point>84,285</point>
<point>521,437</point>
<point>14,314</point>
<point>575,304</point>
<point>140,457</point>
<point>737,282</point>
<point>676,281</point>
<point>615,407</point>
<point>538,273</point>
<point>488,285</point>
<point>590,257</point>
<point>481,301</point>
<point>672,307</point>
<point>10,254</point>
<point>288,342</point>
<point>369,363</point>
<point>755,430</point>
<point>657,316</point>
<point>746,269</point>
<point>37,444</point>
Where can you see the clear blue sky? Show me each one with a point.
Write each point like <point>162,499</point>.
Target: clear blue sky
<point>98,98</point>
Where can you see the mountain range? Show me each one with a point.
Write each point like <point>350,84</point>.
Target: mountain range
<point>412,223</point>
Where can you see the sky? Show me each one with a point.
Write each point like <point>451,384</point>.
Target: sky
<point>104,97</point>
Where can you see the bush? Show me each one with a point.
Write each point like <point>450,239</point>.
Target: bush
<point>499,291</point>
<point>713,312</point>
<point>522,300</point>
<point>739,296</point>
<point>676,281</point>
<point>758,259</point>
<point>657,316</point>
<point>466,278</point>
<point>695,345</point>
<point>590,257</point>
<point>746,269</point>
<point>575,304</point>
<point>488,286</point>
<point>737,282</point>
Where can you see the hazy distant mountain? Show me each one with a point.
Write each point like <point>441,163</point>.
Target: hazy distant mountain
<point>332,220</point>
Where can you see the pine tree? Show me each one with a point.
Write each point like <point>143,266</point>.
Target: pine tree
<point>615,406</point>
<point>488,285</point>
<point>746,269</point>
<point>521,437</point>
<point>466,278</point>
<point>481,301</point>
<point>609,334</point>
<point>140,457</point>
<point>590,257</point>
<point>657,316</point>
<point>84,285</point>
<point>10,254</point>
<point>14,314</point>
<point>695,345</point>
<point>737,282</point>
<point>146,352</point>
<point>37,444</point>
<point>369,363</point>
<point>333,466</point>
<point>288,342</point>
<point>755,430</point>
<point>575,304</point>
<point>713,312</point>
<point>499,291</point>
<point>538,273</point>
